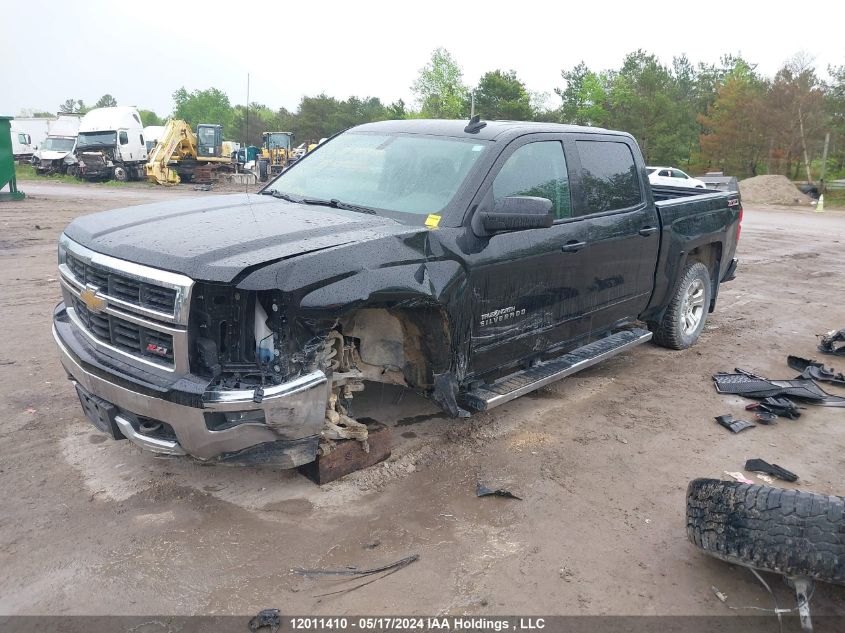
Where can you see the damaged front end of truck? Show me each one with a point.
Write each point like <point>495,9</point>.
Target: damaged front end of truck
<point>260,370</point>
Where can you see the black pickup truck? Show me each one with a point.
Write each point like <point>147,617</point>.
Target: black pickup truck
<point>473,262</point>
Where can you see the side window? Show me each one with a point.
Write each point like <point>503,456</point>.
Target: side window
<point>141,138</point>
<point>124,138</point>
<point>609,175</point>
<point>536,169</point>
<point>666,173</point>
<point>677,173</point>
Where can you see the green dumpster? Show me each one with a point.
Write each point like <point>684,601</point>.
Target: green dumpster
<point>7,162</point>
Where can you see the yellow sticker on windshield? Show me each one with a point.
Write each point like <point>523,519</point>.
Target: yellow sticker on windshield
<point>432,221</point>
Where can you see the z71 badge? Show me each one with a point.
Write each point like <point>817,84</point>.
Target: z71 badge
<point>502,314</point>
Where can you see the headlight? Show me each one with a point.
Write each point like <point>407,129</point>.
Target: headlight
<point>62,250</point>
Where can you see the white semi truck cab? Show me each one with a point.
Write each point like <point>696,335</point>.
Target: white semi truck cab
<point>111,145</point>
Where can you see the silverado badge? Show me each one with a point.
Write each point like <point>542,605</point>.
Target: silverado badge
<point>91,300</point>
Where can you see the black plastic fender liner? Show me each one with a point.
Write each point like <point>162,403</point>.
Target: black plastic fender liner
<point>751,386</point>
<point>833,342</point>
<point>814,370</point>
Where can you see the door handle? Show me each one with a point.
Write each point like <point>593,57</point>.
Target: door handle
<point>572,246</point>
<point>648,230</point>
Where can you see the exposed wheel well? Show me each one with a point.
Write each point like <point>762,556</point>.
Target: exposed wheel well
<point>405,346</point>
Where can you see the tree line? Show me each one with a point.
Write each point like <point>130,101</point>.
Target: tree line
<point>703,117</point>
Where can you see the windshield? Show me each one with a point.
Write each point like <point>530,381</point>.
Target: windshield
<point>54,144</point>
<point>392,172</point>
<point>278,141</point>
<point>206,135</point>
<point>87,139</point>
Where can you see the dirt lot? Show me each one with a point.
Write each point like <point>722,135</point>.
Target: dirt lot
<point>602,461</point>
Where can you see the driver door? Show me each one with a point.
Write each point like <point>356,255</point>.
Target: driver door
<point>525,286</point>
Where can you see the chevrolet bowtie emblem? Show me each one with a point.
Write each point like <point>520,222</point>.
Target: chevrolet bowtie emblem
<point>91,300</point>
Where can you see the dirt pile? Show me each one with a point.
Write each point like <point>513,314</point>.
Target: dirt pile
<point>771,190</point>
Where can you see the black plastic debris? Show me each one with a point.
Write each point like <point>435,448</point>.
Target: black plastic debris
<point>377,572</point>
<point>736,426</point>
<point>761,466</point>
<point>743,383</point>
<point>833,342</point>
<point>814,370</point>
<point>354,571</point>
<point>483,491</point>
<point>783,407</point>
<point>765,417</point>
<point>266,618</point>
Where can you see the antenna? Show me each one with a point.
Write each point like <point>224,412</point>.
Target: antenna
<point>246,140</point>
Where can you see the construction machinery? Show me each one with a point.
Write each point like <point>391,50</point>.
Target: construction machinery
<point>276,153</point>
<point>182,156</point>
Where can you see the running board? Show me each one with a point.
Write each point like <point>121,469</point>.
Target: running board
<point>518,384</point>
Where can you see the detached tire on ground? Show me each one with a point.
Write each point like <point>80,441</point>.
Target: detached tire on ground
<point>687,312</point>
<point>789,532</point>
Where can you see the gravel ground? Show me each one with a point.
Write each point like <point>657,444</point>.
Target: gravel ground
<point>602,460</point>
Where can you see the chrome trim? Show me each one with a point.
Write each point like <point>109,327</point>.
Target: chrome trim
<point>291,414</point>
<point>167,323</point>
<point>181,362</point>
<point>235,400</point>
<point>154,444</point>
<point>68,278</point>
<point>499,399</point>
<point>180,283</point>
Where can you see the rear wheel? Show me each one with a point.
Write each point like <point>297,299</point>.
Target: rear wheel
<point>687,312</point>
<point>789,532</point>
<point>120,174</point>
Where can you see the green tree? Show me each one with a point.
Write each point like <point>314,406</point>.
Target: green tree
<point>440,88</point>
<point>796,115</point>
<point>204,106</point>
<point>642,101</point>
<point>835,106</point>
<point>148,117</point>
<point>501,95</point>
<point>106,101</point>
<point>584,97</point>
<point>73,106</point>
<point>735,137</point>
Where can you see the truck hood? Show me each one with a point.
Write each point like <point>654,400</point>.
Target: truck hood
<point>44,154</point>
<point>216,238</point>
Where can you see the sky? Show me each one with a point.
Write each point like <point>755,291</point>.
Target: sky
<point>141,52</point>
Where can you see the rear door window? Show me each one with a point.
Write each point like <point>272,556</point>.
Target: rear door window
<point>536,169</point>
<point>608,175</point>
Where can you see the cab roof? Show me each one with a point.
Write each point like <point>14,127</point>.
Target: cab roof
<point>492,131</point>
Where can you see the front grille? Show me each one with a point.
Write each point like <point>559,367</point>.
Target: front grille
<point>125,335</point>
<point>139,293</point>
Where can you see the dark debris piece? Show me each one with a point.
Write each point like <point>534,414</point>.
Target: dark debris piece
<point>483,491</point>
<point>743,383</point>
<point>354,571</point>
<point>266,618</point>
<point>735,426</point>
<point>783,407</point>
<point>814,370</point>
<point>833,342</point>
<point>761,466</point>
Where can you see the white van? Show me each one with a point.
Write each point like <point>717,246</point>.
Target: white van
<point>111,144</point>
<point>55,156</point>
<point>27,135</point>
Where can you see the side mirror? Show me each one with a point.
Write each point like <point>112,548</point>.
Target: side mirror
<point>517,213</point>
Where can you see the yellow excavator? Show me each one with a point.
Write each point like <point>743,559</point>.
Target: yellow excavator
<point>182,156</point>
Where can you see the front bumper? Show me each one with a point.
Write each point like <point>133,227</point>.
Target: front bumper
<point>293,412</point>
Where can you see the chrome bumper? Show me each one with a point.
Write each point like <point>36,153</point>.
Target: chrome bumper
<point>293,411</point>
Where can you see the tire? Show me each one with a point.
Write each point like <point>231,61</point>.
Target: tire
<point>120,174</point>
<point>686,315</point>
<point>73,171</point>
<point>788,532</point>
